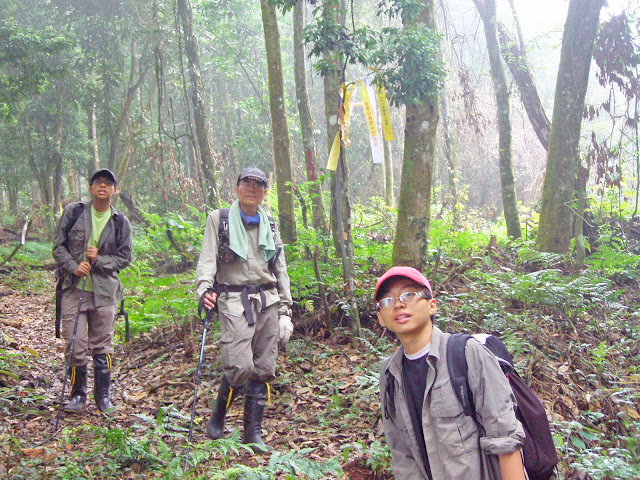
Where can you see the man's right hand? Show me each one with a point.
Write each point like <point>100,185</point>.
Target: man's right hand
<point>208,299</point>
<point>83,269</point>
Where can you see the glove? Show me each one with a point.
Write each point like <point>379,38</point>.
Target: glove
<point>286,329</point>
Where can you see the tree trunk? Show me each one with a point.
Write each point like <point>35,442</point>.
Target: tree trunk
<point>199,103</point>
<point>414,206</point>
<point>279,124</point>
<point>487,12</point>
<point>132,207</point>
<point>134,83</point>
<point>340,206</point>
<point>516,60</point>
<point>554,231</point>
<point>306,120</point>
<point>57,160</point>
<point>93,137</point>
<point>387,166</point>
<point>452,198</point>
<point>578,225</point>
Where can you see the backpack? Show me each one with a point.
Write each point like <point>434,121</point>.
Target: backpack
<point>59,273</point>
<point>226,255</point>
<point>540,457</point>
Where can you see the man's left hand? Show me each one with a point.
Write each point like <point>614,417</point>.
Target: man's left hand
<point>286,329</point>
<point>92,255</point>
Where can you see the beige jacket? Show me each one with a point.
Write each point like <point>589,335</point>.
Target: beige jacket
<point>454,446</point>
<point>253,271</point>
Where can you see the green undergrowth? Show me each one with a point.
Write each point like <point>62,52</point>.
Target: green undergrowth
<point>549,312</point>
<point>155,447</point>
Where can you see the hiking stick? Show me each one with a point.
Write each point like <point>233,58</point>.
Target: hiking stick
<point>73,341</point>
<point>207,317</point>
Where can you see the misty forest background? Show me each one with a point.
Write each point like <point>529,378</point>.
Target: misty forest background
<point>511,180</point>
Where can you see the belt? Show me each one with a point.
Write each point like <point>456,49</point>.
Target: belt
<point>245,291</point>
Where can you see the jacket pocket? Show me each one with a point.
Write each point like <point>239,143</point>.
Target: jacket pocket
<point>75,239</point>
<point>457,433</point>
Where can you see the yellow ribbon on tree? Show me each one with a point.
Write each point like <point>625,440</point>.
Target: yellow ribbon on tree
<point>332,162</point>
<point>385,116</point>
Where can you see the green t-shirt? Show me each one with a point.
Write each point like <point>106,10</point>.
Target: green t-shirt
<point>98,222</point>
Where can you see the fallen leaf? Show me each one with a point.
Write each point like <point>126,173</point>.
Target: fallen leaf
<point>32,452</point>
<point>632,412</point>
<point>30,350</point>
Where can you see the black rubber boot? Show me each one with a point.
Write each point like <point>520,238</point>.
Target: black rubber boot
<point>254,403</point>
<point>78,390</point>
<point>215,424</point>
<point>102,382</point>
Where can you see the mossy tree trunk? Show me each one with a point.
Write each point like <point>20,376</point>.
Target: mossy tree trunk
<point>554,231</point>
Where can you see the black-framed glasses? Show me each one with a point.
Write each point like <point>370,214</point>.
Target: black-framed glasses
<point>407,297</point>
<point>104,181</point>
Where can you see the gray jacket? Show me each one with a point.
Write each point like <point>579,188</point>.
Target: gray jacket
<point>114,254</point>
<point>455,448</point>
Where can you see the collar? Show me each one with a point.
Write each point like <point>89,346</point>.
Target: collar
<point>438,343</point>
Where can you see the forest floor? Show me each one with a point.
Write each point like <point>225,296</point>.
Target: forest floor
<point>319,402</point>
<point>323,419</point>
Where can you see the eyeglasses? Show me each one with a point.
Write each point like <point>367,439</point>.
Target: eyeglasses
<point>104,181</point>
<point>405,298</point>
<point>252,184</point>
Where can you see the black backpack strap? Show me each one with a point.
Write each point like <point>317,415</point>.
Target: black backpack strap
<point>458,371</point>
<point>498,348</point>
<point>223,227</point>
<point>390,397</point>
<point>75,215</point>
<point>119,221</point>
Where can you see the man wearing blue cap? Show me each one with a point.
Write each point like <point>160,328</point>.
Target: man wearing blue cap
<point>242,272</point>
<point>92,244</point>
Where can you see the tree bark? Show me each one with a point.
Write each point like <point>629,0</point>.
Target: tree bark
<point>516,60</point>
<point>414,206</point>
<point>279,124</point>
<point>452,198</point>
<point>554,231</point>
<point>389,198</point>
<point>340,206</point>
<point>487,10</point>
<point>199,103</point>
<point>57,160</point>
<point>93,137</point>
<point>306,120</point>
<point>132,88</point>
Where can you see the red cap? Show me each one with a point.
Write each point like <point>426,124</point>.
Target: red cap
<point>407,272</point>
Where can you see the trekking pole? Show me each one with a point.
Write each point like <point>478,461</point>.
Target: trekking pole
<point>207,317</point>
<point>68,366</point>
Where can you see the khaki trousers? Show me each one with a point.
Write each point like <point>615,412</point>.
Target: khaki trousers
<point>95,326</point>
<point>249,351</point>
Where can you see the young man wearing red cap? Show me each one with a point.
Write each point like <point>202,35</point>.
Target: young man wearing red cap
<point>245,277</point>
<point>92,244</point>
<point>426,429</point>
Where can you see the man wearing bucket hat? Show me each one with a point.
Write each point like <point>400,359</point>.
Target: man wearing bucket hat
<point>92,243</point>
<point>242,273</point>
<point>427,431</point>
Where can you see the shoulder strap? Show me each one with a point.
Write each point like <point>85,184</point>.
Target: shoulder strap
<point>118,224</point>
<point>458,371</point>
<point>498,348</point>
<point>75,215</point>
<point>223,227</point>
